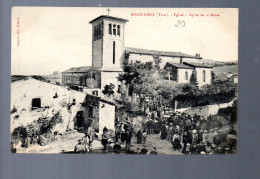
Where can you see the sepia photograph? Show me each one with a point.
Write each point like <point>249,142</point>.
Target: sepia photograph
<point>103,80</point>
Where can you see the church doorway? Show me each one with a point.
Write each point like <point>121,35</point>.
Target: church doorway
<point>80,119</point>
<point>81,81</point>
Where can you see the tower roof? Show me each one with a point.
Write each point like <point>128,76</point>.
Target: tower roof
<point>108,17</point>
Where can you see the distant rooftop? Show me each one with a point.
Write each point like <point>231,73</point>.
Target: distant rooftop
<point>90,68</point>
<point>82,69</point>
<point>202,65</point>
<point>179,65</point>
<point>159,53</point>
<point>108,17</point>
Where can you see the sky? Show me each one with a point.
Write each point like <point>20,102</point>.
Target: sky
<point>57,38</point>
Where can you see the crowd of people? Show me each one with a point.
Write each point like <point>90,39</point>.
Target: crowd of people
<point>187,134</point>
<point>195,135</point>
<point>123,132</point>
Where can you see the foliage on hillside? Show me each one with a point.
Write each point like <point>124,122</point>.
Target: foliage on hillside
<point>23,77</point>
<point>147,79</point>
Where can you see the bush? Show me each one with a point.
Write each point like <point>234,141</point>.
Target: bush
<point>20,132</point>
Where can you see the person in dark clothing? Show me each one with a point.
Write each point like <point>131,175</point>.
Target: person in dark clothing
<point>200,138</point>
<point>194,149</point>
<point>163,132</point>
<point>184,141</point>
<point>154,151</point>
<point>139,136</point>
<point>189,137</point>
<point>176,141</point>
<point>105,137</point>
<point>232,131</point>
<point>144,150</point>
<point>117,132</point>
<point>148,124</point>
<point>128,132</point>
<point>122,132</point>
<point>117,147</point>
<point>201,148</point>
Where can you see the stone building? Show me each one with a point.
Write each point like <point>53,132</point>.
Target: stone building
<point>202,71</point>
<point>182,72</point>
<point>98,111</point>
<point>32,100</point>
<point>109,52</point>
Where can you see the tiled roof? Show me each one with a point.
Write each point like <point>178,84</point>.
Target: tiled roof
<point>179,65</point>
<point>109,17</point>
<point>155,52</point>
<point>82,69</point>
<point>79,69</point>
<point>90,68</point>
<point>202,65</point>
<point>105,100</point>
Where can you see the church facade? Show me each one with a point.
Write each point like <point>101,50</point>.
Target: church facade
<point>109,52</point>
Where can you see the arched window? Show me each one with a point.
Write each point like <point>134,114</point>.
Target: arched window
<point>114,29</point>
<point>114,52</point>
<point>110,29</point>
<point>98,29</point>
<point>95,31</point>
<point>204,76</point>
<point>186,75</point>
<point>118,30</point>
<point>94,76</point>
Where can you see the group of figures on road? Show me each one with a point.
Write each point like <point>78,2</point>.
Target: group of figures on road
<point>195,135</point>
<point>187,134</point>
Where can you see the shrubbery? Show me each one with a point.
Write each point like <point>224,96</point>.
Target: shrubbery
<point>148,79</point>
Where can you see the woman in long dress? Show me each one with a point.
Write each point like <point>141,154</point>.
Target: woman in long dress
<point>91,134</point>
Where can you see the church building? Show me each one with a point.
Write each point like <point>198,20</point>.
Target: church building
<point>109,52</point>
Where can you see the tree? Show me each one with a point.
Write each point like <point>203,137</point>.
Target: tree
<point>141,78</point>
<point>193,78</point>
<point>213,76</point>
<point>109,89</point>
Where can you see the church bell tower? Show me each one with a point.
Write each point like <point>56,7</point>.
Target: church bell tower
<point>108,42</point>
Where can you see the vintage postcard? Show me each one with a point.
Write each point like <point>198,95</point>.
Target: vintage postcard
<point>124,80</point>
